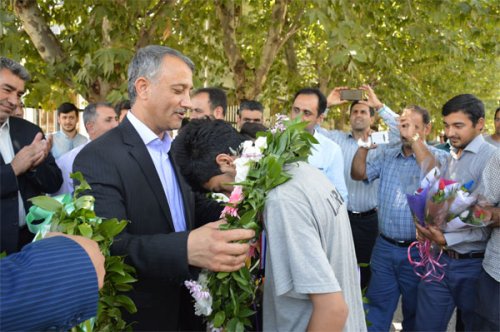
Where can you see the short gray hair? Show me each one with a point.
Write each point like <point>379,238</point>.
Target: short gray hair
<point>15,67</point>
<point>146,63</point>
<point>90,112</point>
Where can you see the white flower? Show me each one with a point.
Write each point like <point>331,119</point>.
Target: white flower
<point>242,168</point>
<point>247,144</point>
<point>261,143</point>
<point>464,214</point>
<point>201,295</point>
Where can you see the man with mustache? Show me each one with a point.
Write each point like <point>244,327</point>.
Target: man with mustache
<point>133,177</point>
<point>27,168</point>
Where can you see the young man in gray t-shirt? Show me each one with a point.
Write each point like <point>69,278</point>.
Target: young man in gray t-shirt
<point>312,279</point>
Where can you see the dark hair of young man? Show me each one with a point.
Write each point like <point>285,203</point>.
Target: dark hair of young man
<point>319,94</point>
<point>496,112</point>
<point>216,96</point>
<point>250,129</point>
<point>65,108</point>
<point>466,103</point>
<point>252,105</point>
<point>122,105</point>
<point>198,144</point>
<point>372,110</point>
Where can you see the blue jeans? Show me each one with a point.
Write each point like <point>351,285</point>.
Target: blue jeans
<point>437,299</point>
<point>391,276</point>
<point>487,304</point>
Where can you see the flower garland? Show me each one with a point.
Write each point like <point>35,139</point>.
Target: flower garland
<point>75,216</point>
<point>228,299</point>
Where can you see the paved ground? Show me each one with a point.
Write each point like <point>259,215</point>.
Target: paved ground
<point>398,318</point>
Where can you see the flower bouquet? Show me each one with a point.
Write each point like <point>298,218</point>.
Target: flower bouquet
<point>445,204</point>
<point>74,215</point>
<point>229,299</point>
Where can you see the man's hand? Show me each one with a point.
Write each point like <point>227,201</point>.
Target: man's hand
<point>408,129</point>
<point>218,250</point>
<point>495,215</point>
<point>372,100</point>
<point>92,249</point>
<point>333,98</point>
<point>432,233</point>
<point>31,155</point>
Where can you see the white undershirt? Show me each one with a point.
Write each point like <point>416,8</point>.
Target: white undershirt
<point>7,151</point>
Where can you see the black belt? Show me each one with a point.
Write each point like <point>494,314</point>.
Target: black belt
<point>399,243</point>
<point>455,255</point>
<point>363,214</point>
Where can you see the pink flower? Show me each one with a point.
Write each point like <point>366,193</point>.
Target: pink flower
<point>232,206</point>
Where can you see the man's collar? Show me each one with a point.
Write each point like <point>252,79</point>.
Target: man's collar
<point>5,125</point>
<point>146,134</point>
<point>473,145</point>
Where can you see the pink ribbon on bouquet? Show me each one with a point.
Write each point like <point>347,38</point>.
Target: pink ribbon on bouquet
<point>433,270</point>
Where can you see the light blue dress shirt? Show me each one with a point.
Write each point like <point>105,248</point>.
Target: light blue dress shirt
<point>399,175</point>
<point>62,143</point>
<point>158,150</point>
<point>327,157</point>
<point>469,166</point>
<point>362,195</point>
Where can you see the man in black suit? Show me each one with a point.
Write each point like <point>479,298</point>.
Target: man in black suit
<point>133,177</point>
<point>27,168</point>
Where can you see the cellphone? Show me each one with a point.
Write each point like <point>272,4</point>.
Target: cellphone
<point>351,94</point>
<point>380,137</point>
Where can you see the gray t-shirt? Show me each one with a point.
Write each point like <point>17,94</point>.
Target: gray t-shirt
<point>309,251</point>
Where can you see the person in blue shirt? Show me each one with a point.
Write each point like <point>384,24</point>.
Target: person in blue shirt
<point>310,104</point>
<point>50,284</point>
<point>392,275</point>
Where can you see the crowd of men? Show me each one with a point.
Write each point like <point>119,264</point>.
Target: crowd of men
<point>346,207</point>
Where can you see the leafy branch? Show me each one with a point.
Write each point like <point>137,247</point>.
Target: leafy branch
<point>75,216</point>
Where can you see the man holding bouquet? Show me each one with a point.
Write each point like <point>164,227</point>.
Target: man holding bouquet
<point>463,117</point>
<point>391,273</point>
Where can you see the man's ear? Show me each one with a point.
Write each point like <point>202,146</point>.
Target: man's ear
<point>427,129</point>
<point>480,124</point>
<point>321,118</point>
<point>89,127</point>
<point>224,161</point>
<point>141,87</point>
<point>219,113</point>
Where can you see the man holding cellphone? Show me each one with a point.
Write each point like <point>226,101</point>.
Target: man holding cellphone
<point>362,202</point>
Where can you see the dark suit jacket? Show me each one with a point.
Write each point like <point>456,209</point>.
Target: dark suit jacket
<point>29,301</point>
<point>46,178</point>
<point>126,185</point>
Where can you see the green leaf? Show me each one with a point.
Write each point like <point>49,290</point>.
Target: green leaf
<point>46,203</point>
<point>219,318</point>
<point>85,230</point>
<point>126,302</point>
<point>245,312</point>
<point>112,227</point>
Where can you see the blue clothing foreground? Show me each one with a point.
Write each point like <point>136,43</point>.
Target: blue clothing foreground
<point>50,284</point>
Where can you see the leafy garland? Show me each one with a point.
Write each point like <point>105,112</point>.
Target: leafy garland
<point>74,215</point>
<point>228,299</point>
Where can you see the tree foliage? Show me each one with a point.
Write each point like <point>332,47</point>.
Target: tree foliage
<point>412,52</point>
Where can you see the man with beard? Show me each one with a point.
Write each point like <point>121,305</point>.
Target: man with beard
<point>133,177</point>
<point>68,137</point>
<point>27,168</point>
<point>463,118</point>
<point>392,275</point>
<point>209,103</point>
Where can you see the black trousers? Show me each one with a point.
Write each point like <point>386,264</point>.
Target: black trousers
<point>364,232</point>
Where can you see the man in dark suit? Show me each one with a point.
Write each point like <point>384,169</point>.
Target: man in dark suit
<point>133,177</point>
<point>27,168</point>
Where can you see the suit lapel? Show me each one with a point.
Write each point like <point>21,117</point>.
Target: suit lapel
<point>140,154</point>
